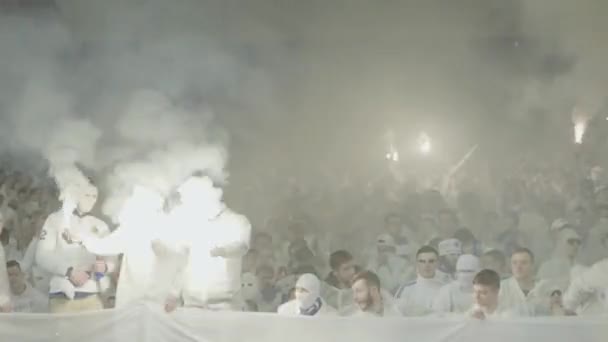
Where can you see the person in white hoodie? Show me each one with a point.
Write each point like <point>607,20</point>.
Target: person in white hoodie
<point>77,276</point>
<point>147,269</point>
<point>214,239</point>
<point>308,301</point>
<point>457,296</point>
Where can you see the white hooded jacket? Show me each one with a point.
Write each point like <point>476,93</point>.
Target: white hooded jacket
<point>307,300</point>
<point>205,278</point>
<point>457,296</point>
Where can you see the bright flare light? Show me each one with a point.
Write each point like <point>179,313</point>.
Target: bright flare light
<point>424,143</point>
<point>393,154</point>
<point>580,120</point>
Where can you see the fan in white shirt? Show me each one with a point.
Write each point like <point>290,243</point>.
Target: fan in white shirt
<point>24,297</point>
<point>486,305</point>
<point>416,298</point>
<point>522,293</point>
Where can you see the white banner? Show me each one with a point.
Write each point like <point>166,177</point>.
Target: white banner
<point>146,323</point>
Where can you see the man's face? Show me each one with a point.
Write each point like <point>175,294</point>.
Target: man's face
<point>452,259</point>
<point>485,296</point>
<point>362,295</point>
<point>572,246</point>
<point>426,264</point>
<point>346,272</point>
<point>16,278</point>
<point>87,200</point>
<point>522,266</point>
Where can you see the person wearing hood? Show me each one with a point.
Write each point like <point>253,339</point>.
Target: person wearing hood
<point>416,298</point>
<point>308,301</point>
<point>391,269</point>
<point>457,296</point>
<point>588,292</point>
<point>563,265</point>
<point>449,252</point>
<point>249,293</point>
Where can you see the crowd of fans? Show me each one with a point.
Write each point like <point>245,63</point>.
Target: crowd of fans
<point>535,245</point>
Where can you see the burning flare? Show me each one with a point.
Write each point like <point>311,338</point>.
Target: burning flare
<point>580,120</point>
<point>424,143</point>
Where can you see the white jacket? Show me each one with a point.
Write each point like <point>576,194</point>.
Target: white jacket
<point>204,278</point>
<point>587,292</point>
<point>291,309</point>
<point>536,303</point>
<point>55,255</point>
<point>144,274</point>
<point>453,298</point>
<point>416,298</point>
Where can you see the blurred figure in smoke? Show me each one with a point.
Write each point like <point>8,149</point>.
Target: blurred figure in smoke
<point>563,265</point>
<point>249,293</point>
<point>338,290</point>
<point>24,297</point>
<point>262,242</point>
<point>457,295</point>
<point>5,299</point>
<point>592,249</point>
<point>369,299</point>
<point>251,260</point>
<point>496,261</point>
<point>448,222</point>
<point>214,239</point>
<point>416,298</point>
<point>390,268</point>
<point>270,295</point>
<point>78,276</point>
<point>511,238</point>
<point>402,235</point>
<point>470,245</point>
<point>146,269</point>
<point>308,301</point>
<point>588,292</point>
<point>449,252</point>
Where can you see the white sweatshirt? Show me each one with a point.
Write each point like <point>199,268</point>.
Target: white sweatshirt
<point>144,275</point>
<point>205,278</point>
<point>55,255</point>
